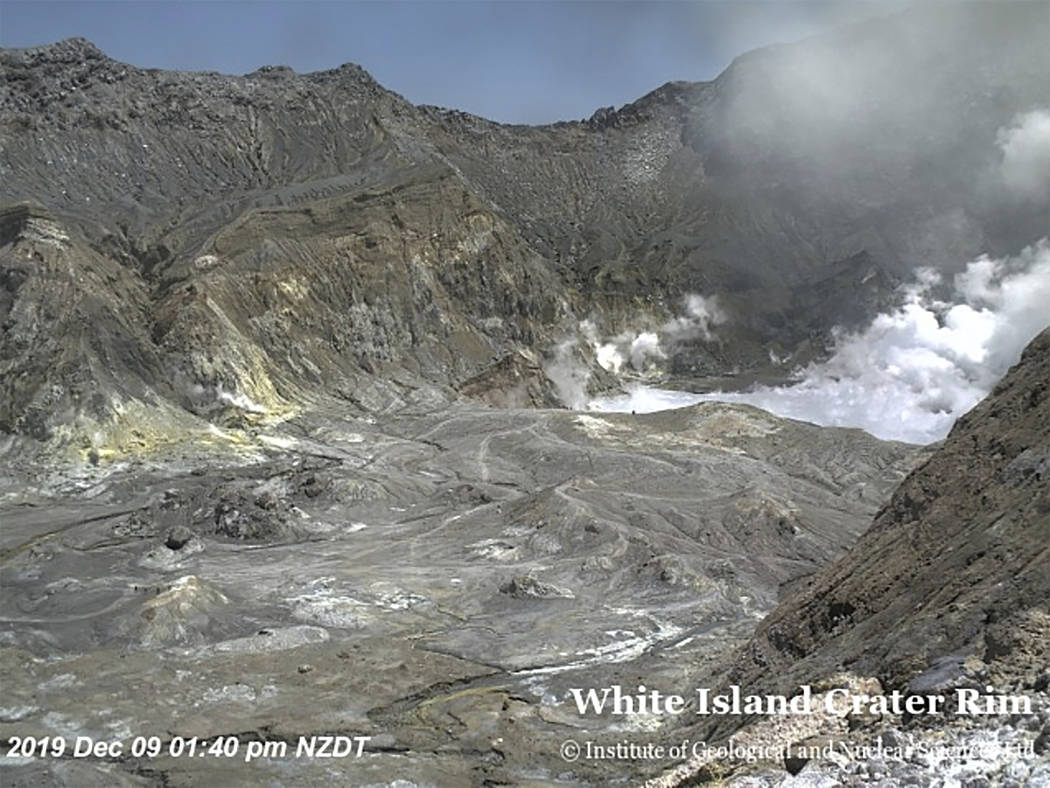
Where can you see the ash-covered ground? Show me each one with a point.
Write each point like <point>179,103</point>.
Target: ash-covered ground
<point>436,581</point>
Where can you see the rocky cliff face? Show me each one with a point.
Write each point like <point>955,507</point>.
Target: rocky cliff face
<point>284,231</point>
<point>269,238</point>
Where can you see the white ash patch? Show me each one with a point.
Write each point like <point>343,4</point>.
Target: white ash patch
<point>59,682</point>
<point>621,649</point>
<point>17,713</point>
<point>229,693</point>
<point>493,548</point>
<point>279,639</point>
<point>62,724</point>
<point>594,427</point>
<point>324,601</point>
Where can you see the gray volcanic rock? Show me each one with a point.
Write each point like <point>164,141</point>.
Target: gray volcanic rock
<point>515,381</point>
<point>75,343</point>
<point>271,239</point>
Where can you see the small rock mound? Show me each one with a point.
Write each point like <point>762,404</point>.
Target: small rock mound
<point>528,587</point>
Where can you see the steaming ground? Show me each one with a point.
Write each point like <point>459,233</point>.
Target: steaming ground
<point>914,371</point>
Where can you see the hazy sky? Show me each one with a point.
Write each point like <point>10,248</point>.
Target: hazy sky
<point>524,62</point>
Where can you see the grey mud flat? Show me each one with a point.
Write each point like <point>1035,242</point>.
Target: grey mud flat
<point>437,584</point>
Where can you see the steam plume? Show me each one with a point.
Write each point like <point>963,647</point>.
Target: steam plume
<point>1025,148</point>
<point>912,372</point>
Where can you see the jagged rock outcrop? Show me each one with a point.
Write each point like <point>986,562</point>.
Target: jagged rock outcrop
<point>515,381</point>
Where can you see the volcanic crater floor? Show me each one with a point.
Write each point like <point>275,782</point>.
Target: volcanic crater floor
<point>437,581</point>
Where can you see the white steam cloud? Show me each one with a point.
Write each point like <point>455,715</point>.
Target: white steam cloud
<point>218,393</point>
<point>701,315</point>
<point>637,351</point>
<point>1025,148</point>
<point>913,371</point>
<point>569,375</point>
<point>642,349</point>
